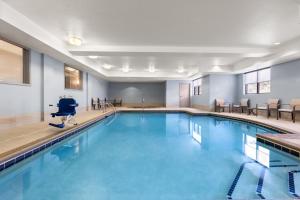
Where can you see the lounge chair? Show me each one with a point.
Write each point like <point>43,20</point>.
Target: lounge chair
<point>67,112</point>
<point>220,105</point>
<point>271,105</point>
<point>294,107</point>
<point>243,105</point>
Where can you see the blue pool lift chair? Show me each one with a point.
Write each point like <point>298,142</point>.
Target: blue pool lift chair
<point>67,112</point>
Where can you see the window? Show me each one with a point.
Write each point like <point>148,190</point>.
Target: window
<point>73,78</point>
<point>264,83</point>
<point>258,82</point>
<point>14,63</point>
<point>197,87</point>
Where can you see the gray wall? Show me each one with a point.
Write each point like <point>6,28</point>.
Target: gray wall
<point>46,86</point>
<point>285,82</point>
<point>203,100</point>
<point>172,92</point>
<point>20,99</point>
<point>97,87</point>
<point>223,86</point>
<point>216,86</point>
<point>132,93</point>
<point>54,86</point>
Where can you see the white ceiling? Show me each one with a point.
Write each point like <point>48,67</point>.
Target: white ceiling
<point>195,35</point>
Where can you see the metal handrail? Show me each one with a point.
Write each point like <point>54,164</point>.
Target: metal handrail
<point>111,105</point>
<point>115,111</point>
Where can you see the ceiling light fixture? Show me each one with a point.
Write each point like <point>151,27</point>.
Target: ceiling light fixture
<point>93,57</point>
<point>106,66</point>
<point>152,69</point>
<point>216,68</point>
<point>180,69</point>
<point>76,41</point>
<point>276,43</point>
<point>126,68</point>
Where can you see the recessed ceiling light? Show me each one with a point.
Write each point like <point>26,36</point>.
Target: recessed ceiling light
<point>216,68</point>
<point>76,41</point>
<point>152,68</point>
<point>106,66</point>
<point>180,69</point>
<point>93,57</point>
<point>126,68</point>
<point>276,43</point>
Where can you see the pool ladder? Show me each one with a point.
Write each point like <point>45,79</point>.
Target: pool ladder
<point>114,109</point>
<point>110,105</point>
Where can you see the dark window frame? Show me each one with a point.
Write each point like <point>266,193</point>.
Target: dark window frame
<point>197,90</point>
<point>258,87</point>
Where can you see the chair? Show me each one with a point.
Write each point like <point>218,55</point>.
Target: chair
<point>220,104</point>
<point>66,110</point>
<point>117,102</point>
<point>99,103</point>
<point>271,105</point>
<point>243,105</point>
<point>94,103</point>
<point>294,107</point>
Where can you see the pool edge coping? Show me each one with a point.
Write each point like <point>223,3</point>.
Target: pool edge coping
<point>29,151</point>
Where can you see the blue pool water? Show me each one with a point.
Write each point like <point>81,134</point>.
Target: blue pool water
<point>138,156</point>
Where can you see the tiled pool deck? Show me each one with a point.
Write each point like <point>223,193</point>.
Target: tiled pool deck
<point>23,138</point>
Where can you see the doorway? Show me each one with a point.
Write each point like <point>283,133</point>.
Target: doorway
<point>184,94</point>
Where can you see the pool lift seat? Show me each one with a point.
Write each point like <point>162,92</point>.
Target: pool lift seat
<point>67,112</point>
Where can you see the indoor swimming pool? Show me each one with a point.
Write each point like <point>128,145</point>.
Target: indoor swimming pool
<point>139,156</point>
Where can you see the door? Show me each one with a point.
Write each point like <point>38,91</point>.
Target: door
<point>184,94</point>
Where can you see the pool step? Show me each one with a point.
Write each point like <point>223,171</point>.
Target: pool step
<point>292,189</point>
<point>235,181</point>
<point>260,182</point>
<point>237,178</point>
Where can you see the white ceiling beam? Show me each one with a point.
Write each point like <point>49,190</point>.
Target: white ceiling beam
<point>109,50</point>
<point>283,53</point>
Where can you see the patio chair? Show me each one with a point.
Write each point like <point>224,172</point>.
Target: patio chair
<point>95,103</point>
<point>271,105</point>
<point>99,103</point>
<point>117,102</point>
<point>243,105</point>
<point>293,108</point>
<point>220,105</point>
